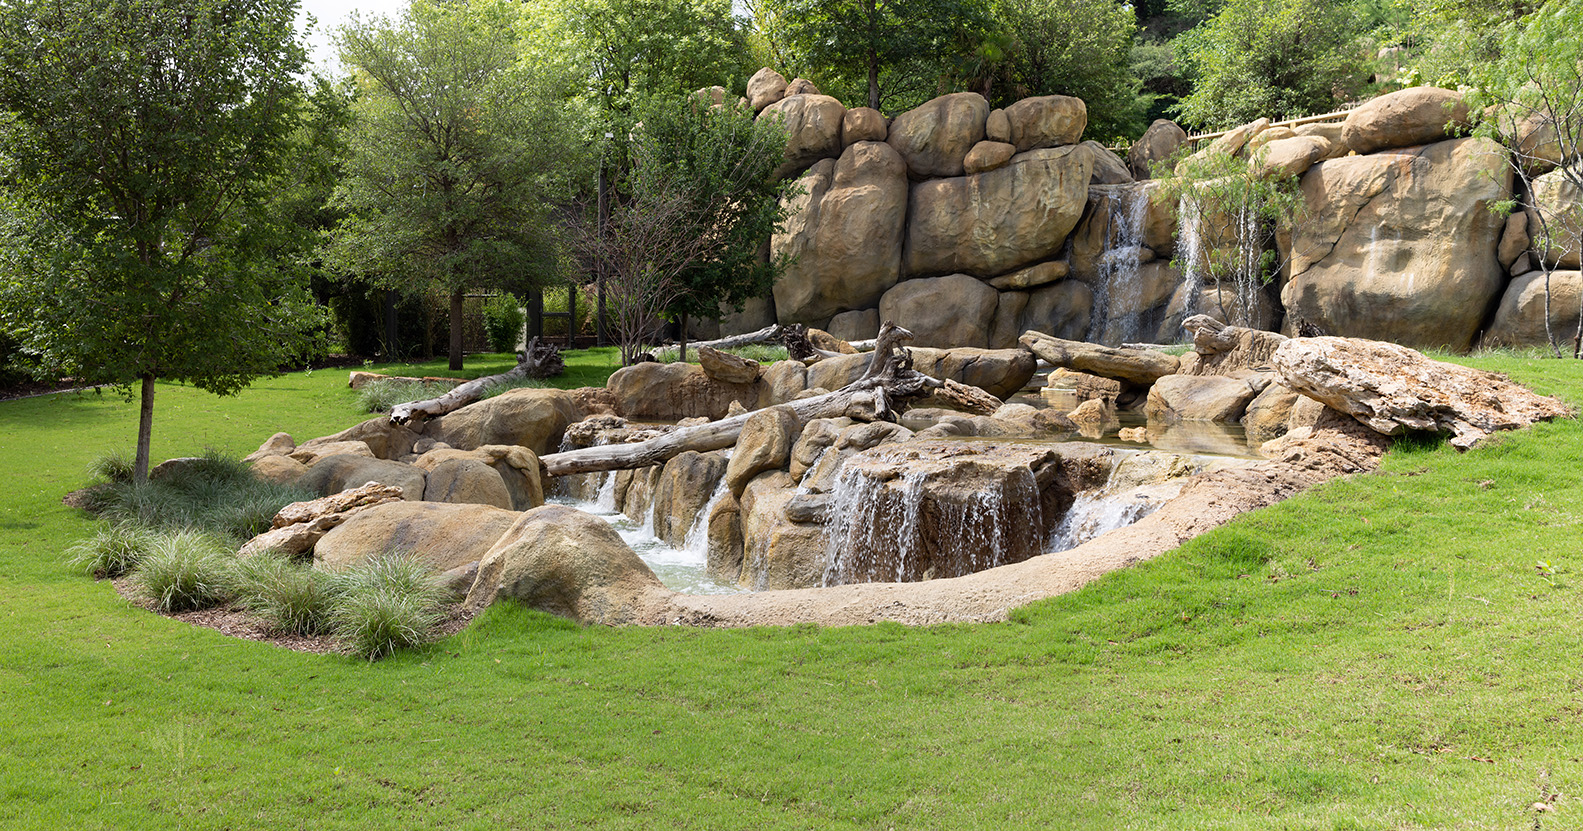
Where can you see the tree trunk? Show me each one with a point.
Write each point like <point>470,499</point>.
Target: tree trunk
<point>390,324</point>
<point>682,340</point>
<point>145,430</point>
<point>456,329</point>
<point>769,334</point>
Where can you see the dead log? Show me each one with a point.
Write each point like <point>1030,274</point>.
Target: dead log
<point>769,334</point>
<point>537,361</point>
<point>880,395</point>
<point>800,348</point>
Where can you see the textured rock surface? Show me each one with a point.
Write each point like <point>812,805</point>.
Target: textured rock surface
<point>1404,118</point>
<point>1198,398</point>
<point>955,310</point>
<point>385,440</point>
<point>813,130</point>
<point>1033,276</point>
<point>1288,157</point>
<point>1393,389</point>
<point>728,368</point>
<point>1562,205</point>
<point>279,444</point>
<point>298,526</point>
<point>765,88</point>
<point>1159,143</point>
<point>311,452</point>
<point>444,535</point>
<point>858,324</point>
<point>669,392</point>
<point>935,137</point>
<point>1520,320</point>
<point>863,124</point>
<point>1000,372</point>
<point>845,235</point>
<point>765,444</point>
<point>282,470</point>
<point>562,561</point>
<point>685,485</point>
<point>777,553</point>
<point>1046,121</point>
<point>988,155</point>
<point>467,481</point>
<point>1401,245</point>
<point>1137,366</point>
<point>532,418</point>
<point>995,222</point>
<point>1109,169</point>
<point>518,468</point>
<point>333,474</point>
<point>1062,309</point>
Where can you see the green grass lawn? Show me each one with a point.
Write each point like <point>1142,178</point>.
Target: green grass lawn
<point>1386,651</point>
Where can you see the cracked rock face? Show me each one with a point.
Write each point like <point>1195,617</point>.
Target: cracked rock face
<point>1400,244</point>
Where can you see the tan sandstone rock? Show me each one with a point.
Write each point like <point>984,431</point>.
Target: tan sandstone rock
<point>988,155</point>
<point>863,124</point>
<point>1405,118</point>
<point>1562,204</point>
<point>518,468</point>
<point>1047,121</point>
<point>686,483</point>
<point>1158,144</point>
<point>533,418</point>
<point>279,444</point>
<point>1109,169</point>
<point>934,138</point>
<point>765,444</point>
<point>442,534</point>
<point>668,392</point>
<point>1520,319</point>
<point>297,527</point>
<point>944,312</point>
<point>333,474</point>
<point>728,368</point>
<point>813,129</point>
<point>765,88</point>
<point>1137,366</point>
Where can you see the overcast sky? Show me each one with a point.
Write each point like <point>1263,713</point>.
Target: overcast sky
<point>329,14</point>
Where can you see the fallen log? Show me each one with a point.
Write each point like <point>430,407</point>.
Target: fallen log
<point>769,334</point>
<point>880,395</point>
<point>537,361</point>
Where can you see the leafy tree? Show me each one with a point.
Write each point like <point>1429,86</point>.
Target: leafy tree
<point>1454,42</point>
<point>1532,98</point>
<point>1080,48</point>
<point>137,243</point>
<point>891,53</point>
<point>455,144</point>
<point>636,48</point>
<point>1270,58</point>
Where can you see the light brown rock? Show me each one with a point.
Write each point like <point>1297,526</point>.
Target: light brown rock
<point>1158,144</point>
<point>300,525</point>
<point>669,392</point>
<point>1198,398</point>
<point>1137,366</point>
<point>801,86</point>
<point>992,223</point>
<point>765,444</point>
<point>1400,245</point>
<point>728,368</point>
<point>844,235</point>
<point>1405,118</point>
<point>1520,319</point>
<point>1287,157</point>
<point>1269,414</point>
<point>723,560</point>
<point>783,380</point>
<point>813,130</point>
<point>934,138</point>
<point>988,155</point>
<point>333,474</point>
<point>1047,121</point>
<point>1000,372</point>
<point>1109,169</point>
<point>280,444</point>
<point>518,468</point>
<point>1032,276</point>
<point>442,534</point>
<point>686,484</point>
<point>1393,389</point>
<point>858,324</point>
<point>944,312</point>
<point>1561,203</point>
<point>765,88</point>
<point>282,470</point>
<point>312,451</point>
<point>863,124</point>
<point>466,481</point>
<point>997,127</point>
<point>777,553</point>
<point>1514,239</point>
<point>560,560</point>
<point>532,418</point>
<point>384,440</point>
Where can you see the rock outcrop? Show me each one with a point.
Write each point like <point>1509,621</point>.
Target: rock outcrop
<point>934,138</point>
<point>1406,118</point>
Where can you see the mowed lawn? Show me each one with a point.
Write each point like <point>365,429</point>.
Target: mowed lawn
<point>1398,650</point>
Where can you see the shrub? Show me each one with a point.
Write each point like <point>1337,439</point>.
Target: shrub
<point>115,466</point>
<point>503,322</point>
<point>216,494</point>
<point>379,396</point>
<point>385,604</point>
<point>113,550</point>
<point>185,570</point>
<point>291,598</point>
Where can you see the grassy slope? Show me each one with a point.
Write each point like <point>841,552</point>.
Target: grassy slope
<point>1344,660</point>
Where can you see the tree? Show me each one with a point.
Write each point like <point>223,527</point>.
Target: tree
<point>1079,48</point>
<point>695,201</point>
<point>455,144</point>
<point>1532,98</point>
<point>891,53</point>
<point>1270,58</point>
<point>144,138</point>
<point>636,48</point>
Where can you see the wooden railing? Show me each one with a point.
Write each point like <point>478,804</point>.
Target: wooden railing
<point>1200,140</point>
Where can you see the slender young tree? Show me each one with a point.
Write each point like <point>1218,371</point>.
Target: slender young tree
<point>144,138</point>
<point>457,140</point>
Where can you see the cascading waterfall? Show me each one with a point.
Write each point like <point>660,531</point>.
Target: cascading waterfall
<point>697,540</point>
<point>1098,512</point>
<point>605,499</point>
<point>1190,244</point>
<point>1120,278</point>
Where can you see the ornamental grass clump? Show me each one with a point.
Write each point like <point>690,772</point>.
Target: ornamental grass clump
<point>387,603</point>
<point>185,570</point>
<point>379,396</point>
<point>290,598</point>
<point>213,493</point>
<point>112,551</point>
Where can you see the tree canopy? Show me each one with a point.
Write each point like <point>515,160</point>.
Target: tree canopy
<point>144,140</point>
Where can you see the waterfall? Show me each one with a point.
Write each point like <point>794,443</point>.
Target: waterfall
<point>605,499</point>
<point>697,540</point>
<point>1190,245</point>
<point>1098,512</point>
<point>1119,301</point>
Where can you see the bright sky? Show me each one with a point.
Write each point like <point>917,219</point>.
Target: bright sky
<point>328,14</point>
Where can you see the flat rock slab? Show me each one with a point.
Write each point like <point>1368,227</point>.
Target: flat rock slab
<point>1393,389</point>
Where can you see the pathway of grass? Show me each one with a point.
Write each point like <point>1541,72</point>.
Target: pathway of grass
<point>1381,652</point>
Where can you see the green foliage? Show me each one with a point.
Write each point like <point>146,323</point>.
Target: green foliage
<point>456,143</point>
<point>115,466</point>
<point>387,603</point>
<point>1452,43</point>
<point>1273,59</point>
<point>135,240</point>
<point>634,49</point>
<point>503,321</point>
<point>1081,48</point>
<point>217,495</point>
<point>379,396</point>
<point>113,550</point>
<point>292,598</point>
<point>183,570</point>
<point>887,54</point>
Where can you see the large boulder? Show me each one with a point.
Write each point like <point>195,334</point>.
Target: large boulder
<point>777,553</point>
<point>1288,157</point>
<point>444,535</point>
<point>999,372</point>
<point>686,483</point>
<point>1136,366</point>
<point>532,418</point>
<point>1047,121</point>
<point>384,439</point>
<point>863,124</point>
<point>991,223</point>
<point>333,474</point>
<point>518,468</point>
<point>934,138</point>
<point>298,526</point>
<point>988,155</point>
<point>1158,144</point>
<point>670,392</point>
<point>1520,319</point>
<point>279,469</point>
<point>858,324</point>
<point>764,444</point>
<point>728,368</point>
<point>1405,118</point>
<point>466,481</point>
<point>1063,309</point>
<point>1393,389</point>
<point>280,444</point>
<point>1033,276</point>
<point>813,130</point>
<point>1199,398</point>
<point>560,560</point>
<point>765,88</point>
<point>1400,245</point>
<point>1109,169</point>
<point>954,310</point>
<point>1560,202</point>
<point>843,236</point>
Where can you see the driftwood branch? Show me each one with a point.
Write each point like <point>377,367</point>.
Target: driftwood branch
<point>769,334</point>
<point>880,395</point>
<point>537,361</point>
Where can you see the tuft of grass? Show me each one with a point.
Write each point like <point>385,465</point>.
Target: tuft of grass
<point>216,494</point>
<point>380,396</point>
<point>513,384</point>
<point>185,570</point>
<point>115,549</point>
<point>291,598</point>
<point>764,353</point>
<point>385,604</point>
<point>115,466</point>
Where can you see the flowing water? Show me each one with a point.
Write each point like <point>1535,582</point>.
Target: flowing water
<point>1119,310</point>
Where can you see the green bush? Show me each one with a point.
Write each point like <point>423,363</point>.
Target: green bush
<point>503,322</point>
<point>114,550</point>
<point>216,494</point>
<point>379,396</point>
<point>185,570</point>
<point>385,604</point>
<point>291,598</point>
<point>115,466</point>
